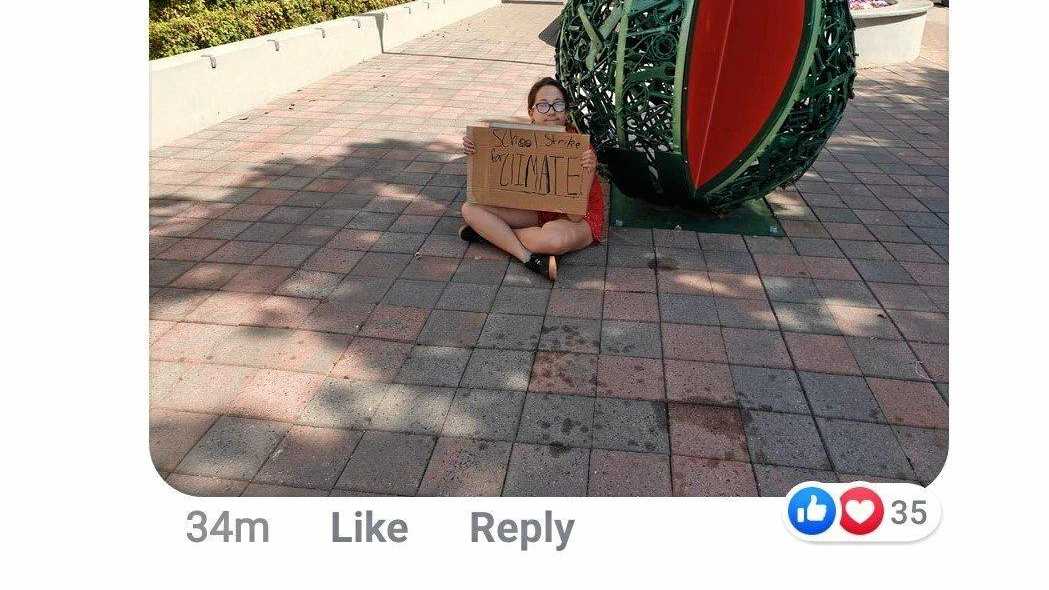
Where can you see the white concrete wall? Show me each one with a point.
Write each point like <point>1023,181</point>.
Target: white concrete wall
<point>404,22</point>
<point>195,90</point>
<point>891,35</point>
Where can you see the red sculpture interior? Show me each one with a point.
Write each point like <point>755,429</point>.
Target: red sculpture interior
<point>743,53</point>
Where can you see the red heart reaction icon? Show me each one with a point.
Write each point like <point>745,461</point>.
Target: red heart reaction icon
<point>861,510</point>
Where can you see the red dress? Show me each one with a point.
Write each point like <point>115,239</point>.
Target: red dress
<point>595,209</point>
<point>595,212</point>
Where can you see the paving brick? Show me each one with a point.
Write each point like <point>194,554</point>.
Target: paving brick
<point>631,339</point>
<point>227,308</point>
<point>419,409</point>
<point>578,303</point>
<point>309,457</point>
<point>332,260</point>
<point>847,293</point>
<point>565,420</point>
<point>910,403</point>
<point>707,431</point>
<point>805,317</point>
<point>409,293</point>
<point>630,377</point>
<point>543,470</point>
<point>498,369</point>
<point>275,395</point>
<point>484,414</point>
<point>206,486</point>
<point>270,491</point>
<point>564,372</point>
<point>163,272</point>
<point>205,388</point>
<point>641,307</point>
<point>687,282</point>
<point>395,323</point>
<point>630,425</point>
<point>277,311</point>
<point>921,326</point>
<point>694,476</point>
<point>688,309</point>
<point>745,313</point>
<point>791,289</point>
<point>699,382</point>
<point>175,304</point>
<point>763,388</point>
<point>189,342</point>
<point>756,348</point>
<point>784,439</point>
<point>234,448</point>
<point>907,297</point>
<point>258,279</point>
<point>886,358</point>
<point>311,352</point>
<point>466,467</point>
<point>730,262</point>
<point>640,280</point>
<point>341,403</point>
<point>934,359</point>
<point>570,335</point>
<point>841,396</point>
<point>517,332</point>
<point>741,286</point>
<point>163,375</point>
<point>700,343</point>
<point>172,434</point>
<point>309,284</point>
<point>865,448</point>
<point>521,300</point>
<point>452,328</point>
<point>356,289</point>
<point>863,321</point>
<point>434,365</point>
<point>621,473</point>
<point>369,359</point>
<point>338,317</point>
<point>354,239</point>
<point>821,353</point>
<point>777,480</point>
<point>467,297</point>
<point>883,271</point>
<point>926,449</point>
<point>388,463</point>
<point>485,272</point>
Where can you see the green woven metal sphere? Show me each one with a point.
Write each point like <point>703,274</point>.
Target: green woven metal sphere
<point>704,104</point>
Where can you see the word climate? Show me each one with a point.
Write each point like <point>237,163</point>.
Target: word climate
<point>522,161</point>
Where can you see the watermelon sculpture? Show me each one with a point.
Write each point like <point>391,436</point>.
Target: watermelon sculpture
<point>704,104</point>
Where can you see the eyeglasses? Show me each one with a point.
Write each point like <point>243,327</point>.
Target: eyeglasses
<point>544,107</point>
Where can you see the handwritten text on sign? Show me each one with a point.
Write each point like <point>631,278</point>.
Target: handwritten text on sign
<point>523,168</point>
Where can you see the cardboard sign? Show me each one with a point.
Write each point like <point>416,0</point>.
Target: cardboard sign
<point>528,167</point>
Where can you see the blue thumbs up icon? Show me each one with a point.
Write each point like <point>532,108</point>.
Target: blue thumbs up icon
<point>811,511</point>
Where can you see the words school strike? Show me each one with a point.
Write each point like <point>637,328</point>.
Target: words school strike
<point>521,168</point>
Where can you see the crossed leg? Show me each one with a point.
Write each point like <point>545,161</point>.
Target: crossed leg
<point>516,231</point>
<point>497,225</point>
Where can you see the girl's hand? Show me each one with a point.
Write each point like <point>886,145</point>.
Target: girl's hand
<point>468,145</point>
<point>588,161</point>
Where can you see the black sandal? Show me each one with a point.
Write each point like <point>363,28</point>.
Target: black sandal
<point>543,264</point>
<point>469,234</point>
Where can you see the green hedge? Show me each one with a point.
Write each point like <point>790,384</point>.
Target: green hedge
<point>178,26</point>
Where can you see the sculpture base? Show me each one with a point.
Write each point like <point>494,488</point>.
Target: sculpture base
<point>752,218</point>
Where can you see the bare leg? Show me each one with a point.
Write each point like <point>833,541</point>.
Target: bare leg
<point>556,237</point>
<point>496,224</point>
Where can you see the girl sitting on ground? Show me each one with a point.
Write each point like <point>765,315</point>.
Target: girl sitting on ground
<point>537,237</point>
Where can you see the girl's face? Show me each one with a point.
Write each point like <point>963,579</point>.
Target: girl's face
<point>549,99</point>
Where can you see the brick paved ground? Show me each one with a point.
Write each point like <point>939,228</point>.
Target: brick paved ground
<point>317,328</point>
